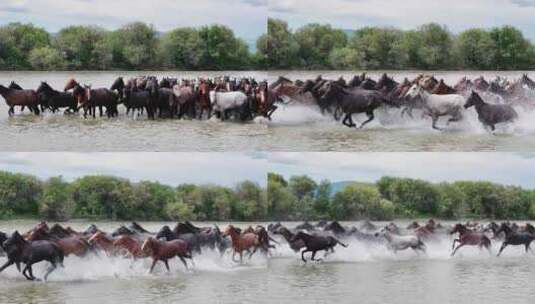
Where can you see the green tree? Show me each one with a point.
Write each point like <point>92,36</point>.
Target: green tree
<point>46,58</point>
<point>316,42</point>
<point>513,51</point>
<point>56,202</point>
<point>222,50</point>
<point>302,186</point>
<point>17,40</point>
<point>182,48</point>
<point>79,44</point>
<point>323,198</point>
<point>379,48</point>
<point>476,49</point>
<point>19,194</point>
<point>279,46</point>
<point>435,52</point>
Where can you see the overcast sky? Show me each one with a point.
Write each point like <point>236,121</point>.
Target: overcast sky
<point>246,17</point>
<point>169,168</point>
<point>505,168</point>
<point>408,14</point>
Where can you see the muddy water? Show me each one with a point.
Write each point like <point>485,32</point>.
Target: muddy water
<point>366,271</point>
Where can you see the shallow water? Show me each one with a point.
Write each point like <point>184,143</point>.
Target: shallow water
<point>360,273</point>
<point>299,128</point>
<point>293,128</point>
<point>58,132</point>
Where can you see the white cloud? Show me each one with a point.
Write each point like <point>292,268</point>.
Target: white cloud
<point>506,168</point>
<point>408,14</point>
<point>246,17</point>
<point>170,168</point>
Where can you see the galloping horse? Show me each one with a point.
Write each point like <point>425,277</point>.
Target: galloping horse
<point>401,242</point>
<point>438,105</point>
<point>242,242</point>
<point>490,114</point>
<point>514,238</point>
<point>468,237</point>
<point>223,102</point>
<point>29,253</point>
<point>131,245</point>
<point>103,242</point>
<point>165,250</point>
<point>316,243</point>
<point>69,245</point>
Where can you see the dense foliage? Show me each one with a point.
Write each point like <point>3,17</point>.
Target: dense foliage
<point>430,46</point>
<point>302,198</point>
<point>135,46</point>
<point>108,197</point>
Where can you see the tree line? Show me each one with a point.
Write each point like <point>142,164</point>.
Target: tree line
<point>302,198</point>
<point>135,46</point>
<point>429,47</point>
<point>114,198</point>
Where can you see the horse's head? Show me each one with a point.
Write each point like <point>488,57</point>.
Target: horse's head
<point>414,91</point>
<point>299,236</point>
<point>230,230</point>
<point>164,232</point>
<point>458,228</point>
<point>148,244</point>
<point>70,84</point>
<point>95,238</point>
<point>14,241</point>
<point>503,228</point>
<point>118,84</point>
<point>122,231</point>
<point>473,100</point>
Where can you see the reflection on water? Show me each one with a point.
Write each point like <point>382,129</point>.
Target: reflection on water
<point>361,273</point>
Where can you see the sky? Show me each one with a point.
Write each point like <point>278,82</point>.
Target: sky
<point>504,168</point>
<point>457,15</point>
<point>226,169</point>
<point>246,17</point>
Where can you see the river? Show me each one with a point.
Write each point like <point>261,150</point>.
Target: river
<point>293,128</point>
<point>360,273</point>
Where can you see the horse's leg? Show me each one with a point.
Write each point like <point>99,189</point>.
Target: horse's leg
<point>153,264</point>
<point>50,269</point>
<point>184,261</point>
<point>455,250</point>
<point>370,118</point>
<point>167,265</point>
<point>527,247</point>
<point>454,241</point>
<point>253,252</point>
<point>303,255</point>
<point>434,124</point>
<point>313,255</point>
<point>30,271</point>
<point>504,244</point>
<point>7,264</point>
<point>241,257</point>
<point>25,274</point>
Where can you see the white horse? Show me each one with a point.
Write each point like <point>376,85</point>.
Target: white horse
<point>223,101</point>
<point>401,242</point>
<point>438,105</point>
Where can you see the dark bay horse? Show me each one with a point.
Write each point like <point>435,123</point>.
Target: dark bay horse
<point>90,99</point>
<point>315,243</point>
<point>29,253</point>
<point>295,244</point>
<point>354,101</point>
<point>55,100</point>
<point>16,97</point>
<point>514,238</point>
<point>69,244</point>
<point>490,114</point>
<point>468,237</point>
<point>165,250</point>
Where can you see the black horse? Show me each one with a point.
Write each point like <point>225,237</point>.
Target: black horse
<point>3,238</point>
<point>514,238</point>
<point>29,253</point>
<point>316,243</point>
<point>54,100</point>
<point>490,114</point>
<point>354,101</point>
<point>295,244</point>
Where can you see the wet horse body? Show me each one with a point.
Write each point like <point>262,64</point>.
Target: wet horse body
<point>165,250</point>
<point>314,243</point>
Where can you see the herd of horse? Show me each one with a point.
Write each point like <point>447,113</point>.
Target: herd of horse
<point>185,240</point>
<point>494,101</point>
<point>240,99</point>
<point>245,98</point>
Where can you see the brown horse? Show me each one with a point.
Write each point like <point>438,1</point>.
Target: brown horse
<point>15,97</point>
<point>242,242</point>
<point>69,245</point>
<point>165,250</point>
<point>468,237</point>
<point>443,89</point>
<point>129,246</point>
<point>90,99</point>
<point>102,241</point>
<point>204,99</point>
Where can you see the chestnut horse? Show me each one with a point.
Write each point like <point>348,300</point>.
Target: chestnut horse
<point>468,237</point>
<point>130,245</point>
<point>165,250</point>
<point>204,99</point>
<point>241,242</point>
<point>102,241</point>
<point>15,97</point>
